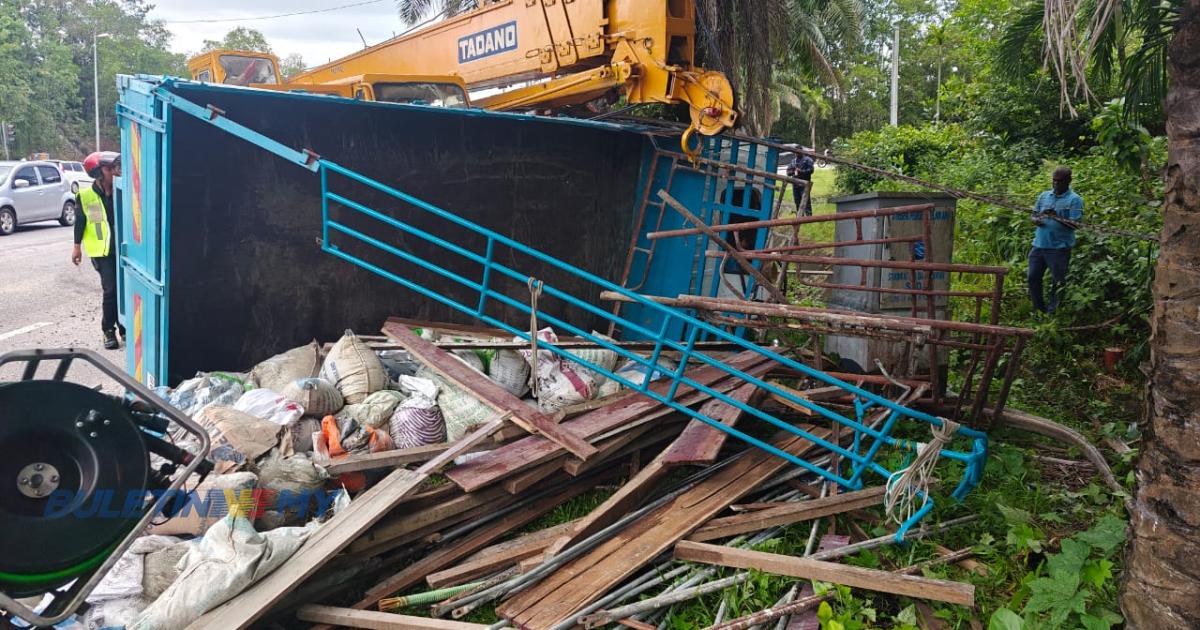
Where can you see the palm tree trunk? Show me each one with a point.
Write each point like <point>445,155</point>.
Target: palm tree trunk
<point>1162,579</point>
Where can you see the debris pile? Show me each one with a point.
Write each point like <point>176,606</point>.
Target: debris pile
<point>420,472</point>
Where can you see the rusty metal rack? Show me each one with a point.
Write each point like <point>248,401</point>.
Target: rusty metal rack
<point>990,353</point>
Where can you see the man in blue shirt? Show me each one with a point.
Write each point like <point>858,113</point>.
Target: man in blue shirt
<point>1054,214</point>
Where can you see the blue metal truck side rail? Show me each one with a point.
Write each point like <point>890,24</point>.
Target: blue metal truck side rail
<point>345,237</point>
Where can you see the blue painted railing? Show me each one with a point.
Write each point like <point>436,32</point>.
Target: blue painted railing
<point>861,455</point>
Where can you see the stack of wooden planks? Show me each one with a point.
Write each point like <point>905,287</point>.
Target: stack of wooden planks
<point>484,530</point>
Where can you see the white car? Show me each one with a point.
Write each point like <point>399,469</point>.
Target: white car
<point>31,192</point>
<point>74,174</point>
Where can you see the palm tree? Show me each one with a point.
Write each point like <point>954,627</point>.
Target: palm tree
<point>797,90</point>
<point>745,39</point>
<point>818,107</point>
<point>1161,585</point>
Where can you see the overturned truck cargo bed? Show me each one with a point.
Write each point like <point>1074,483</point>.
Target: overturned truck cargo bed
<point>220,240</point>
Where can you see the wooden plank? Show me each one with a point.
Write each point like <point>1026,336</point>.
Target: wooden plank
<point>510,432</point>
<point>487,391</point>
<point>628,497</point>
<point>449,328</point>
<point>616,448</point>
<point>816,394</point>
<point>541,536</point>
<point>700,443</point>
<point>332,537</point>
<point>390,459</point>
<point>491,466</point>
<point>589,576</point>
<point>405,522</point>
<point>375,620</point>
<point>854,577</point>
<point>464,444</point>
<point>476,540</point>
<point>496,557</point>
<point>532,477</point>
<point>786,514</point>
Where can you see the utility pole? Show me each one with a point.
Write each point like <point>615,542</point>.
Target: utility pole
<point>895,117</point>
<point>96,84</point>
<point>95,88</point>
<point>4,133</point>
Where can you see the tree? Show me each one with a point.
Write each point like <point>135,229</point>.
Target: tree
<point>1161,585</point>
<point>797,92</point>
<point>291,65</point>
<point>240,38</point>
<point>1162,578</point>
<point>46,62</point>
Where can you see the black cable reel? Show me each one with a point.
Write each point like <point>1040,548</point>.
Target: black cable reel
<point>76,481</point>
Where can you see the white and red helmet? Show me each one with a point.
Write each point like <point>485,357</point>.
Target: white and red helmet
<point>96,159</point>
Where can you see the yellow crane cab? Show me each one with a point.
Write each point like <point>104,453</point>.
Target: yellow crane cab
<point>235,67</point>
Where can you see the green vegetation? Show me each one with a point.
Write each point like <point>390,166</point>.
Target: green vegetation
<point>46,69</point>
<point>46,64</point>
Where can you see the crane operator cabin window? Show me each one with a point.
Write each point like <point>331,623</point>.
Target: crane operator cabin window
<point>435,94</point>
<point>241,70</point>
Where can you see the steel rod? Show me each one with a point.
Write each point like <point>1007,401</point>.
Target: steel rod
<point>822,218</point>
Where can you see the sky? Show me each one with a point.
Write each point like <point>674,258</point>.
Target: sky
<point>319,37</point>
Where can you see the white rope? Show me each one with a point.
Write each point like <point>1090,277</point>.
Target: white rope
<point>535,291</point>
<point>907,486</point>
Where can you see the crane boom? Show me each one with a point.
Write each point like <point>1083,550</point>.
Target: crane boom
<point>565,52</point>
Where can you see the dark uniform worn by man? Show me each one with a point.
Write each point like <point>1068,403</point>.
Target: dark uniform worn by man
<point>802,168</point>
<point>1053,239</point>
<point>93,235</point>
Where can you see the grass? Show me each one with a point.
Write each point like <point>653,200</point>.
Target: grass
<point>822,190</point>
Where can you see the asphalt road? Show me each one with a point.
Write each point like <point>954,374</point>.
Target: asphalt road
<point>46,302</point>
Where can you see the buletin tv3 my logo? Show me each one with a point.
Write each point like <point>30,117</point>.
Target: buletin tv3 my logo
<point>488,42</point>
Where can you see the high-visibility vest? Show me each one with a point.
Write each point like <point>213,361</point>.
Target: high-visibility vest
<point>96,241</point>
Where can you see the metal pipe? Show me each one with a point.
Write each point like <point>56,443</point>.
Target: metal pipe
<point>637,587</point>
<point>520,581</point>
<point>829,244</point>
<point>885,264</point>
<point>822,218</point>
<point>715,237</point>
<point>791,310</point>
<point>894,291</point>
<point>418,599</point>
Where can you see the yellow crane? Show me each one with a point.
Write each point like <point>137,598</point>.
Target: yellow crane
<point>531,54</point>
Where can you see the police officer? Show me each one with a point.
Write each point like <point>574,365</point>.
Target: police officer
<point>93,235</point>
<point>802,168</point>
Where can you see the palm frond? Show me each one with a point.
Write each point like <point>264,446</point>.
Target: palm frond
<point>414,11</point>
<point>1022,35</point>
<point>1144,79</point>
<point>1068,48</point>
